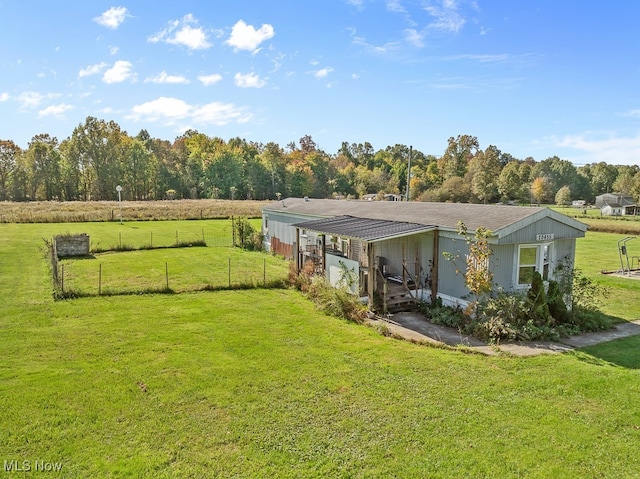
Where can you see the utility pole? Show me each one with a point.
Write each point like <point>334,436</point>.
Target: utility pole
<point>409,173</point>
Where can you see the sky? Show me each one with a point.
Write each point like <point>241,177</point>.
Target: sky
<point>535,78</point>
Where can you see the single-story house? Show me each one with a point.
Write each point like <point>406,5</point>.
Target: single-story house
<point>612,209</point>
<point>616,204</point>
<point>394,250</point>
<point>619,198</point>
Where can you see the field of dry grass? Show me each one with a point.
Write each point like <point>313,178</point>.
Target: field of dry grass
<point>79,211</point>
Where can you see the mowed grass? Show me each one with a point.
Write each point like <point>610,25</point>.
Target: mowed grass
<point>598,252</point>
<point>177,269</point>
<point>257,383</point>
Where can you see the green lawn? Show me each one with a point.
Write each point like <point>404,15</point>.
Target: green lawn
<point>256,383</point>
<point>598,252</point>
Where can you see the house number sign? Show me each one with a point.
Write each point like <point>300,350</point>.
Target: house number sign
<point>544,237</point>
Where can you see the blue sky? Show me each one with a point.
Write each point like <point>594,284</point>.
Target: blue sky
<point>534,78</point>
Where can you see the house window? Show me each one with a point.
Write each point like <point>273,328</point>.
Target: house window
<point>536,257</point>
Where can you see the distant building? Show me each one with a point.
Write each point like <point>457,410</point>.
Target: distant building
<point>616,204</point>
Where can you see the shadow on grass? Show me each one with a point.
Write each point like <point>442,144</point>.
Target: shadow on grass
<point>127,247</point>
<point>71,294</point>
<point>84,256</point>
<point>621,352</point>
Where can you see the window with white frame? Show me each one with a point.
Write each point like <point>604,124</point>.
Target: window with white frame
<point>534,257</point>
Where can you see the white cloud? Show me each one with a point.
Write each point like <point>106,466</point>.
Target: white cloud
<point>246,37</point>
<point>119,72</point>
<point>220,114</point>
<point>92,70</point>
<point>250,80</point>
<point>414,37</point>
<point>183,32</point>
<point>323,72</point>
<point>355,76</point>
<point>30,99</point>
<point>632,113</point>
<point>163,77</point>
<point>446,16</point>
<point>4,96</point>
<point>55,110</point>
<point>613,150</point>
<point>114,50</point>
<point>395,6</point>
<point>172,111</point>
<point>484,58</point>
<point>208,80</point>
<point>113,17</point>
<point>389,47</point>
<point>165,109</point>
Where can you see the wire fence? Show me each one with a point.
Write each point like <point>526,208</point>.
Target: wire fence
<point>259,271</point>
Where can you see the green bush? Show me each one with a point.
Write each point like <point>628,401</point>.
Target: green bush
<point>334,301</point>
<point>555,302</point>
<point>538,309</point>
<point>536,315</point>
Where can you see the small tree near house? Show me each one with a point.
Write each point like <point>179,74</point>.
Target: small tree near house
<point>478,276</point>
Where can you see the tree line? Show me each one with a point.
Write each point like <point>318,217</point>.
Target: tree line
<point>99,155</point>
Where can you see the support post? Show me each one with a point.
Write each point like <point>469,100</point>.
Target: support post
<point>297,251</point>
<point>324,252</point>
<point>371,276</point>
<point>434,266</point>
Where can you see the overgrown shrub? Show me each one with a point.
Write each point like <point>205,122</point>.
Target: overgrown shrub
<point>444,315</point>
<point>538,309</point>
<point>555,302</point>
<point>246,236</point>
<point>334,301</point>
<point>536,315</point>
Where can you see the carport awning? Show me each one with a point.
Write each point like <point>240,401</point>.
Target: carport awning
<point>364,229</point>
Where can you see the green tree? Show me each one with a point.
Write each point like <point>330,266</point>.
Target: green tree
<point>43,161</point>
<point>563,196</point>
<point>9,152</point>
<point>510,182</point>
<point>137,169</point>
<point>273,160</point>
<point>457,155</point>
<point>455,190</point>
<point>625,181</point>
<point>97,147</point>
<point>478,275</point>
<point>602,176</point>
<point>483,174</point>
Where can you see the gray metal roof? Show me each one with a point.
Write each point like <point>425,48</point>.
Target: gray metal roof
<point>500,219</point>
<point>363,228</point>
